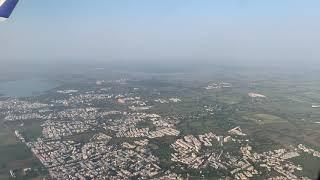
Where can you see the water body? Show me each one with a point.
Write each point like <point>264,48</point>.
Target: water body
<point>25,88</point>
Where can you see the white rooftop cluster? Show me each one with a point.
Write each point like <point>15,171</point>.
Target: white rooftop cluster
<point>69,91</point>
<point>218,85</point>
<point>256,95</point>
<point>236,131</point>
<point>166,101</point>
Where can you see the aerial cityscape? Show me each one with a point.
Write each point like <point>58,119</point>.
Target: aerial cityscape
<point>160,90</point>
<point>181,129</point>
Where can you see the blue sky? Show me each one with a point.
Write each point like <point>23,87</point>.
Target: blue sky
<point>155,30</point>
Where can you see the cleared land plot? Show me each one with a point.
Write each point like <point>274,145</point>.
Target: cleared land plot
<point>265,118</point>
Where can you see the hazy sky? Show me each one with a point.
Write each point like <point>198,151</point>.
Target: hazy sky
<point>185,30</point>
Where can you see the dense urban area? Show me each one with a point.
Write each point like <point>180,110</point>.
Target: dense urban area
<point>150,129</point>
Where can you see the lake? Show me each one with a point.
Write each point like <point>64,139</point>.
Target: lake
<point>25,88</point>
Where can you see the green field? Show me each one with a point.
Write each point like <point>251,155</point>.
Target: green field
<point>14,155</point>
<point>264,118</point>
<point>6,136</point>
<point>310,164</point>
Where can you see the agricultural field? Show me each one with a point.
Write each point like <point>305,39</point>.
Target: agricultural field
<point>265,119</point>
<point>14,154</point>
